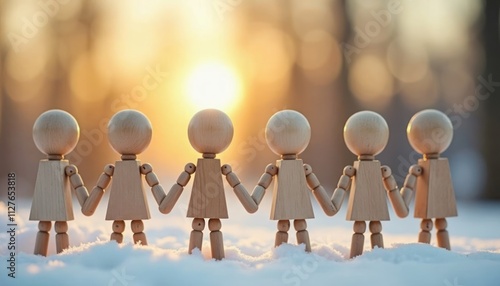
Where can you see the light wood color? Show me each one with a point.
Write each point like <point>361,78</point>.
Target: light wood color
<point>434,196</point>
<point>157,189</point>
<point>56,132</point>
<point>216,240</point>
<point>282,233</point>
<point>264,182</point>
<point>358,239</point>
<point>52,196</point>
<point>129,132</point>
<point>290,194</point>
<point>139,236</point>
<point>127,199</point>
<point>118,229</point>
<point>196,237</point>
<point>241,192</point>
<point>76,183</point>
<point>376,237</point>
<point>168,202</point>
<point>425,233</point>
<point>329,205</point>
<point>97,192</point>
<point>210,131</point>
<point>62,238</point>
<point>430,132</point>
<point>366,133</point>
<point>288,133</point>
<point>302,233</point>
<point>42,238</point>
<point>443,239</point>
<point>396,198</point>
<point>367,201</point>
<point>207,197</point>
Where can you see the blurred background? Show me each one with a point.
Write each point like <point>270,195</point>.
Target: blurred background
<point>326,59</point>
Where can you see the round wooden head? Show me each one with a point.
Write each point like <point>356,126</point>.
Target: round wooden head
<point>430,132</point>
<point>288,132</point>
<point>56,132</point>
<point>129,132</point>
<point>366,133</point>
<point>210,131</point>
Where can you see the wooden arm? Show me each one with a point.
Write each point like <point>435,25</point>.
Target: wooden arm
<point>399,205</point>
<point>153,182</point>
<point>241,192</point>
<point>167,202</point>
<point>410,183</point>
<point>77,184</point>
<point>93,200</point>
<point>329,205</point>
<point>264,182</point>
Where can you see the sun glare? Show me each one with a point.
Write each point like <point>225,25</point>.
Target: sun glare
<point>213,85</point>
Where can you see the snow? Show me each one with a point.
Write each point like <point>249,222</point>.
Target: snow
<point>250,256</point>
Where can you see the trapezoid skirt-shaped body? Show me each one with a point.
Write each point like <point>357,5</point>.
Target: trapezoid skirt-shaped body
<point>434,197</point>
<point>208,199</point>
<point>127,199</point>
<point>52,197</point>
<point>291,199</point>
<point>368,198</point>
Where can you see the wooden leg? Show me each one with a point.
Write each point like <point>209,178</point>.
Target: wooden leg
<point>216,240</point>
<point>138,230</point>
<point>118,229</point>
<point>425,234</point>
<point>62,238</point>
<point>358,238</point>
<point>282,234</point>
<point>42,238</point>
<point>302,234</point>
<point>443,239</point>
<point>376,238</point>
<point>196,238</point>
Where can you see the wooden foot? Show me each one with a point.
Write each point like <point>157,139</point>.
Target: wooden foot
<point>282,234</point>
<point>376,238</point>
<point>138,230</point>
<point>62,238</point>
<point>196,238</point>
<point>216,241</point>
<point>42,238</point>
<point>425,234</point>
<point>302,234</point>
<point>443,239</point>
<point>118,228</point>
<point>358,238</point>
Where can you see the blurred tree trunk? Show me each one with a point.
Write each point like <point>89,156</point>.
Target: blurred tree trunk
<point>491,138</point>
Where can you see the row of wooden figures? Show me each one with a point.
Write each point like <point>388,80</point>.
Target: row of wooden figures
<point>210,132</point>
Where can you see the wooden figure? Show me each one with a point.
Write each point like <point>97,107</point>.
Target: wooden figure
<point>56,134</point>
<point>366,134</point>
<point>210,132</point>
<point>287,135</point>
<point>129,133</point>
<point>430,133</point>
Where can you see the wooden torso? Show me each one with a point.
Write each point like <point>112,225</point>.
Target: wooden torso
<point>291,199</point>
<point>52,196</point>
<point>368,198</point>
<point>127,199</point>
<point>434,196</point>
<point>208,199</point>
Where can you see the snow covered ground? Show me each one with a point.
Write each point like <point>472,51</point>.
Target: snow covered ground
<point>250,257</point>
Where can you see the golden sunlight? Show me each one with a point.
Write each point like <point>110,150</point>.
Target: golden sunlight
<point>213,85</point>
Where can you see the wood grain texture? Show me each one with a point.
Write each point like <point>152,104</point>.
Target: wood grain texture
<point>368,199</point>
<point>434,197</point>
<point>207,197</point>
<point>291,198</point>
<point>52,197</point>
<point>127,199</point>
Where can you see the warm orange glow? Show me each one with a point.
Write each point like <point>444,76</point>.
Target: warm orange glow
<point>213,85</point>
